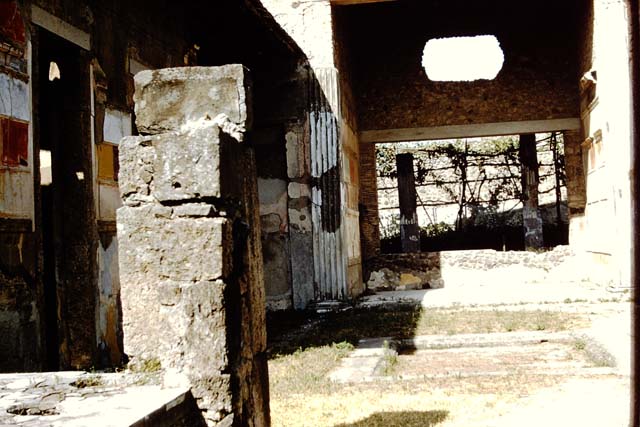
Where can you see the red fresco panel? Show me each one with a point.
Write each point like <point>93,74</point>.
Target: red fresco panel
<point>15,143</point>
<point>4,136</point>
<point>11,24</point>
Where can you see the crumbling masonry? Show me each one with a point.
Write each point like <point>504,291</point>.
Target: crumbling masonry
<point>189,233</point>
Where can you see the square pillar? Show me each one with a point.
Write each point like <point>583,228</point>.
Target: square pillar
<point>409,230</point>
<point>532,221</point>
<point>189,232</point>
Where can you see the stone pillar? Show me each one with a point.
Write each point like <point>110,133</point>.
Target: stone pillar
<point>327,214</point>
<point>190,255</point>
<point>409,230</point>
<point>532,221</point>
<point>576,186</point>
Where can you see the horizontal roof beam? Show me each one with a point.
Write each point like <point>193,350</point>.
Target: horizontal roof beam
<point>469,131</point>
<point>57,26</point>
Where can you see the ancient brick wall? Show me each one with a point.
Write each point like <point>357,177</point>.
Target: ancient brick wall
<point>369,215</point>
<point>537,81</point>
<point>189,232</point>
<point>20,290</point>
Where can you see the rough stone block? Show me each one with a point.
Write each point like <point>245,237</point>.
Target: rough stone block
<point>168,99</point>
<point>172,167</point>
<point>137,159</point>
<point>176,249</point>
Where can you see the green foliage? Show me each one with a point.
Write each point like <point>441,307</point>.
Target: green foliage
<point>386,160</point>
<point>390,227</point>
<point>481,176</point>
<point>437,229</point>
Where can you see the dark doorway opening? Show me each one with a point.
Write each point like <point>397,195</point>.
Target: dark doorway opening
<point>62,109</point>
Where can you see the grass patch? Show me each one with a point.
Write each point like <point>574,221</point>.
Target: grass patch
<point>452,322</point>
<point>448,402</point>
<point>305,347</point>
<point>595,352</point>
<point>401,419</point>
<point>389,360</point>
<point>145,366</point>
<point>305,371</point>
<point>289,331</point>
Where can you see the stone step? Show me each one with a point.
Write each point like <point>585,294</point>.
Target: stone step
<point>75,399</point>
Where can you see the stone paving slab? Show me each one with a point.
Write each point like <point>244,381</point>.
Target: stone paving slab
<point>487,340</point>
<point>365,362</point>
<point>470,293</point>
<point>74,399</point>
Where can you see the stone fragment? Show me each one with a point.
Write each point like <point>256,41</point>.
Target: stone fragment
<point>136,159</point>
<point>169,99</point>
<point>376,280</point>
<point>187,165</point>
<point>183,165</point>
<point>409,282</point>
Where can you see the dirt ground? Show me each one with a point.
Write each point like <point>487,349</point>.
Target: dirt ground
<point>579,380</point>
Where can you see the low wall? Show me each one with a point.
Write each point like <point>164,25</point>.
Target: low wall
<point>436,269</point>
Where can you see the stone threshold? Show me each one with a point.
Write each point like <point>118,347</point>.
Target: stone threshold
<point>74,399</point>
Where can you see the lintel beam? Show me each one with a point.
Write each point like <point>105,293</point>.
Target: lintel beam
<point>469,131</point>
<point>52,23</point>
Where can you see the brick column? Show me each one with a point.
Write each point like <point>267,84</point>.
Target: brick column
<point>369,216</point>
<point>409,230</point>
<point>574,168</point>
<point>190,256</point>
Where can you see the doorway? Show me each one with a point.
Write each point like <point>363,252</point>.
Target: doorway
<point>62,104</point>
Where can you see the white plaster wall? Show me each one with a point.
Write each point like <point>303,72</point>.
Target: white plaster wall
<point>309,23</point>
<point>607,222</point>
<point>14,98</point>
<point>272,194</point>
<point>117,125</point>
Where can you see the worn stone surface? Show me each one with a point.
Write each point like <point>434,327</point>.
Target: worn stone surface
<point>434,269</point>
<point>191,259</point>
<point>182,252</point>
<point>78,399</point>
<point>168,99</point>
<point>173,166</point>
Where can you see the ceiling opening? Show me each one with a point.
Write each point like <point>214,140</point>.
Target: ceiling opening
<point>463,59</point>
